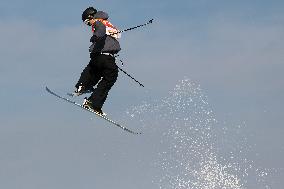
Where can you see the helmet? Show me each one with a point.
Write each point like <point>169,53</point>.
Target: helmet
<point>90,11</point>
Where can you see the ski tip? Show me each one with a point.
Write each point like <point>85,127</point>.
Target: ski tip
<point>46,88</point>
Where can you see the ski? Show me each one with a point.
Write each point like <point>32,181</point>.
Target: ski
<point>97,114</point>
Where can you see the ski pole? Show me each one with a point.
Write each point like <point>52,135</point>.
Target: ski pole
<point>130,76</point>
<point>132,28</point>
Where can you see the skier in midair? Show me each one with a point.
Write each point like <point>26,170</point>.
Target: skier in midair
<point>102,69</point>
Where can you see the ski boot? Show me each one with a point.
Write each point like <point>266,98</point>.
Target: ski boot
<point>89,105</point>
<point>82,90</point>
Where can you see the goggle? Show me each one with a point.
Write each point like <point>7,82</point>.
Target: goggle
<point>87,21</point>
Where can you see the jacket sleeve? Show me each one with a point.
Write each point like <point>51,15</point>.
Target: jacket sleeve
<point>98,38</point>
<point>99,31</point>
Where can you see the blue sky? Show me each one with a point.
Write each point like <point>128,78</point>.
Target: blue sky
<point>232,49</point>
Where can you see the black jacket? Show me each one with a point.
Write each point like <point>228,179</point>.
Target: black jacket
<point>100,41</point>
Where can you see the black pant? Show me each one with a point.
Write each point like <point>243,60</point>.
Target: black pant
<point>102,69</point>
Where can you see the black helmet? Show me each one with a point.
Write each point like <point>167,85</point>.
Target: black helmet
<point>90,11</point>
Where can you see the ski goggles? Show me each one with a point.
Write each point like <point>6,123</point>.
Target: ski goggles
<point>87,22</point>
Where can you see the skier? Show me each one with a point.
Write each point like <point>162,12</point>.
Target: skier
<point>101,69</point>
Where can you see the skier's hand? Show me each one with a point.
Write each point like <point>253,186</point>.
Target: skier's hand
<point>91,48</point>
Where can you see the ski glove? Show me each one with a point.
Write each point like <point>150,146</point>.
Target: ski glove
<point>93,39</point>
